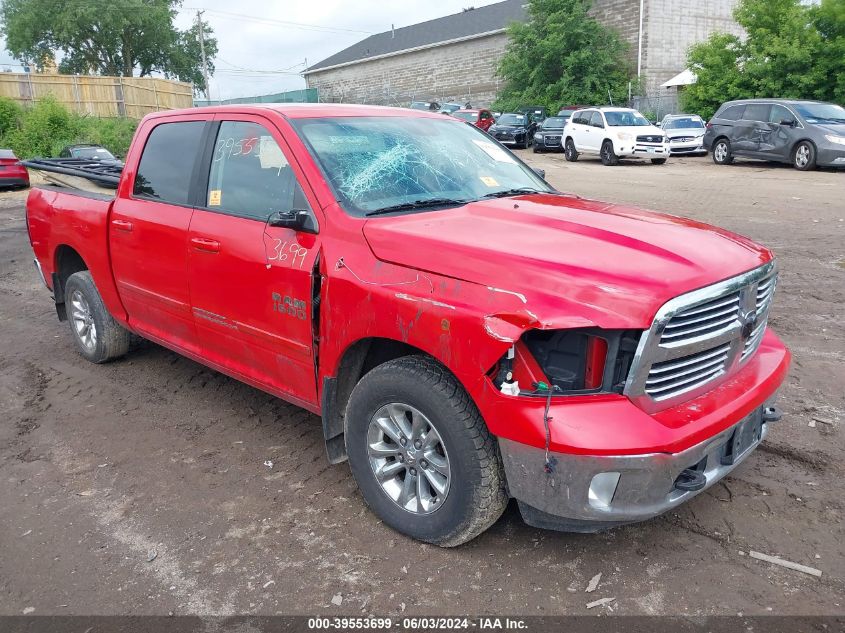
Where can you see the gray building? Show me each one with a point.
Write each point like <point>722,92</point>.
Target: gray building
<point>454,58</point>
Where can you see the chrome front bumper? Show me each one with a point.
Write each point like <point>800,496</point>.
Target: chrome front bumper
<point>587,493</point>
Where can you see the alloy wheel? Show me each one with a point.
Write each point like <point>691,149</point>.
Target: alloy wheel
<point>83,320</point>
<point>802,156</point>
<point>408,458</point>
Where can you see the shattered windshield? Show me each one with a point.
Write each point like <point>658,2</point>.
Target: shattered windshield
<point>377,163</point>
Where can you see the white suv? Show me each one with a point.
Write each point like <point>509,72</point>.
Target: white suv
<point>613,133</point>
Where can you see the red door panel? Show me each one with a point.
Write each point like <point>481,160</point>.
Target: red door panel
<point>251,300</point>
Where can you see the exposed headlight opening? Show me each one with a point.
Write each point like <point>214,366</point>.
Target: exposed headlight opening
<point>570,362</point>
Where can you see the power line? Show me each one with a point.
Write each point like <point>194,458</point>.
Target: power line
<point>285,23</point>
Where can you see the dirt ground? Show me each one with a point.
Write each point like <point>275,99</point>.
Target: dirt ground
<point>146,486</point>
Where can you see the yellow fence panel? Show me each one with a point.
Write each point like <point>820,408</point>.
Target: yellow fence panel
<point>100,96</point>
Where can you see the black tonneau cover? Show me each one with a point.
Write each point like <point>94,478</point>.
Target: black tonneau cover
<point>107,176</point>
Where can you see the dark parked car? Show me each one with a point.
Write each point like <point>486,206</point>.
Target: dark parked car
<point>12,173</point>
<point>515,129</point>
<point>89,151</point>
<point>537,114</point>
<point>548,136</point>
<point>804,133</point>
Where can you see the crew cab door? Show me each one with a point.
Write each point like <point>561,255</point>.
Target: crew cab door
<point>251,284</point>
<point>148,229</point>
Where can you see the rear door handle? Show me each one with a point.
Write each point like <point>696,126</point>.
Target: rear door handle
<point>122,225</point>
<point>205,245</point>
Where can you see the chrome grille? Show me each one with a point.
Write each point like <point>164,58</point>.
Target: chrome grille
<point>700,338</point>
<point>702,320</point>
<point>676,376</point>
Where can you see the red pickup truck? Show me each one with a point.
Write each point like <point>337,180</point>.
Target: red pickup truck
<point>467,333</point>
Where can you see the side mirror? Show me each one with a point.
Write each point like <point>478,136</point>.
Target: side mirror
<point>788,122</point>
<point>296,219</point>
<point>540,172</point>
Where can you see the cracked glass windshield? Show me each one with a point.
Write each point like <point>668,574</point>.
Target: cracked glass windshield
<point>386,164</point>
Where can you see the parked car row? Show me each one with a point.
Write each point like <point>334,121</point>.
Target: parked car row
<point>805,134</point>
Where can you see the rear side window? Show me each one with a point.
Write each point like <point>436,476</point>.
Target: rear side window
<point>733,113</point>
<point>757,112</point>
<point>167,163</point>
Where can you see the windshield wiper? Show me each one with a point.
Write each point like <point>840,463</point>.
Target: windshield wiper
<point>417,204</point>
<point>512,192</point>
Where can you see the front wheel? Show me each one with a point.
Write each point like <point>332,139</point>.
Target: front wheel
<point>569,151</point>
<point>421,453</point>
<point>658,161</point>
<point>804,156</point>
<point>608,155</point>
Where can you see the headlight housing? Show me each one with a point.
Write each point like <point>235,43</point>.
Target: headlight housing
<point>572,362</point>
<point>626,136</point>
<point>839,140</point>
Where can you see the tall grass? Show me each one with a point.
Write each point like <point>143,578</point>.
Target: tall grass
<point>47,126</point>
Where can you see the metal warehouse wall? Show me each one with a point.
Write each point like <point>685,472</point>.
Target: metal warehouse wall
<point>100,96</point>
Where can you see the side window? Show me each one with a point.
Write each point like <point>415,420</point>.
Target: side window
<point>167,163</point>
<point>733,113</point>
<point>596,120</point>
<point>780,113</point>
<point>583,118</point>
<point>757,112</point>
<point>250,176</point>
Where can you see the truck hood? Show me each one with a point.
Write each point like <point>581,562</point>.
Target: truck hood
<point>564,260</point>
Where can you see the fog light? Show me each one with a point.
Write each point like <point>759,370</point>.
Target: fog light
<point>602,489</point>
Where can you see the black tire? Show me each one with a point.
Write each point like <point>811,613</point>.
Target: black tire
<point>536,148</point>
<point>109,340</point>
<point>658,161</point>
<point>722,153</point>
<point>804,156</point>
<point>569,151</point>
<point>608,155</point>
<point>476,495</point>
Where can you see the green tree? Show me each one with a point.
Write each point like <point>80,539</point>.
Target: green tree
<point>561,56</point>
<point>117,37</point>
<point>791,50</point>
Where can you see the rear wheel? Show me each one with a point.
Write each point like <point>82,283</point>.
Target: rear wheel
<point>608,155</point>
<point>722,154</point>
<point>421,454</point>
<point>804,156</point>
<point>569,151</point>
<point>98,337</point>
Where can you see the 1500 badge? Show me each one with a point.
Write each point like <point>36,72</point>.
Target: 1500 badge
<point>289,306</point>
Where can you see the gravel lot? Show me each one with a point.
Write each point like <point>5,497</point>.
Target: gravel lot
<point>140,487</point>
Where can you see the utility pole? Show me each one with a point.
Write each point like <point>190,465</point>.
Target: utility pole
<point>202,53</point>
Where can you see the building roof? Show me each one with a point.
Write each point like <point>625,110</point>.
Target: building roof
<point>465,25</point>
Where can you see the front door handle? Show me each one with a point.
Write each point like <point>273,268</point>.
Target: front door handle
<point>122,225</point>
<point>205,245</point>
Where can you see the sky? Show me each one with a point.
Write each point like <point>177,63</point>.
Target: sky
<point>262,46</point>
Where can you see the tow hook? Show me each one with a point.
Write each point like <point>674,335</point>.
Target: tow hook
<point>772,414</point>
<point>691,480</point>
